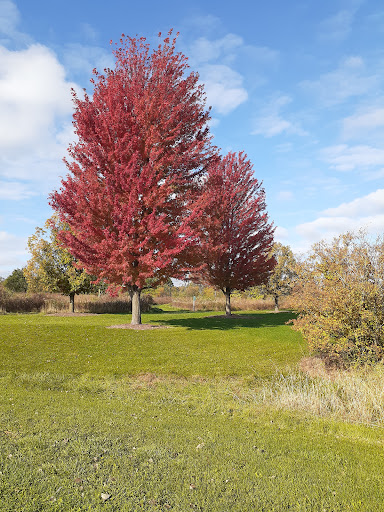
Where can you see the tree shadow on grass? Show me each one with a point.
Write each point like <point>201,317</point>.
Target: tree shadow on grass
<point>222,323</point>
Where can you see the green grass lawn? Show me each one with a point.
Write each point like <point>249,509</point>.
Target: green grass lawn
<point>120,420</point>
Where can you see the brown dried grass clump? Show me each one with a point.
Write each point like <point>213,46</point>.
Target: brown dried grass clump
<point>355,395</point>
<point>218,303</point>
<point>21,302</point>
<point>93,304</point>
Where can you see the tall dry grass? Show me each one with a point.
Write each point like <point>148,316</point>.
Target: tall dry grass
<point>218,303</point>
<point>56,303</point>
<point>355,395</point>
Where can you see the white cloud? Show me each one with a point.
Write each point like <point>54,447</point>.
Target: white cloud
<point>349,80</point>
<point>281,234</point>
<point>214,59</point>
<point>224,87</point>
<point>330,227</point>
<point>80,58</point>
<point>205,24</point>
<point>347,158</point>
<point>362,123</point>
<point>14,191</point>
<point>33,93</point>
<point>262,54</point>
<point>338,26</point>
<point>205,50</point>
<point>374,175</point>
<point>9,16</point>
<point>365,212</point>
<point>371,204</point>
<point>270,122</point>
<point>9,19</point>
<point>285,195</point>
<point>13,253</point>
<point>89,31</point>
<point>35,109</point>
<point>286,147</point>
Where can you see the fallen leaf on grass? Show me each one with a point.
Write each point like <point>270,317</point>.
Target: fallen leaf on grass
<point>104,496</point>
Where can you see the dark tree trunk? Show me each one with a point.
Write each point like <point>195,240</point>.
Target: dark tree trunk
<point>72,302</point>
<point>227,293</point>
<point>276,303</point>
<point>136,307</point>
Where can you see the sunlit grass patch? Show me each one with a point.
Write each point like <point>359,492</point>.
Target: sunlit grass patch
<point>197,344</point>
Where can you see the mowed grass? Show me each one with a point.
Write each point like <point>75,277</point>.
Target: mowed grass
<point>107,419</point>
<point>192,344</point>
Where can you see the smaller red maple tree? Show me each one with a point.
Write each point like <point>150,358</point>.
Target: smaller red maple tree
<point>235,235</point>
<point>143,138</point>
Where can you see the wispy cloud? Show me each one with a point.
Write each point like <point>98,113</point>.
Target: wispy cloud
<point>216,61</point>
<point>363,122</point>
<point>285,195</point>
<point>81,59</point>
<point>9,20</point>
<point>348,158</point>
<point>12,252</point>
<point>271,122</point>
<point>337,27</point>
<point>281,234</point>
<point>350,79</point>
<point>205,50</point>
<point>14,191</point>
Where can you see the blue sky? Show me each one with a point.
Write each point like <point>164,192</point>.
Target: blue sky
<point>297,85</point>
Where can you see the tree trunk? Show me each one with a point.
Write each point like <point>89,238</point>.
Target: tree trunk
<point>228,310</point>
<point>136,307</point>
<point>72,302</point>
<point>276,303</point>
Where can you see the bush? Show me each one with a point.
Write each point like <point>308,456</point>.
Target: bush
<point>340,299</point>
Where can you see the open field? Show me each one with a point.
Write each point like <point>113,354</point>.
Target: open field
<point>172,419</point>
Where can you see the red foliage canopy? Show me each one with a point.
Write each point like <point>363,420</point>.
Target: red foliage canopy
<point>143,136</point>
<point>235,235</point>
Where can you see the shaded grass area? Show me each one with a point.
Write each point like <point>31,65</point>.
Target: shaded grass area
<point>100,419</point>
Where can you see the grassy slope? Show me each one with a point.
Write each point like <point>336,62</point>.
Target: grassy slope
<point>73,425</point>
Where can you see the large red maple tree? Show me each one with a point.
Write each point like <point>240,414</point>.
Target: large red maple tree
<point>235,235</point>
<point>142,140</point>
